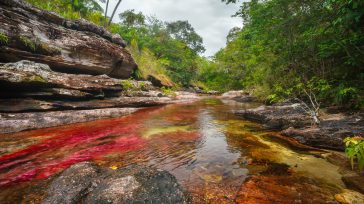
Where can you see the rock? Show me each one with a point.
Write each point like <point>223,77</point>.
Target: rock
<point>30,89</point>
<point>73,184</point>
<point>297,124</point>
<point>183,95</point>
<point>160,81</point>
<point>330,133</point>
<point>29,105</point>
<point>239,96</point>
<point>15,122</point>
<point>284,190</point>
<point>133,184</point>
<point>212,92</point>
<point>26,74</point>
<point>65,45</point>
<point>349,197</point>
<point>354,182</point>
<point>277,116</point>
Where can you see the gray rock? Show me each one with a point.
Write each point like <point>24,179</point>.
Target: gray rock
<point>278,116</point>
<point>134,184</point>
<point>73,184</point>
<point>15,122</point>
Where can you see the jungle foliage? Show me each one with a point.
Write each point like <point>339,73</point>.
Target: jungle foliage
<point>285,43</point>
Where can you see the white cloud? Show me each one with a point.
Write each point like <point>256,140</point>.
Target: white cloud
<point>210,18</point>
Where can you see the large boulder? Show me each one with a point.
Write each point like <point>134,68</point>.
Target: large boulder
<point>134,184</point>
<point>65,45</point>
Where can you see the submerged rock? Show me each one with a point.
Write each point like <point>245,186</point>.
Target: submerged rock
<point>284,190</point>
<point>67,46</point>
<point>88,183</point>
<point>349,197</point>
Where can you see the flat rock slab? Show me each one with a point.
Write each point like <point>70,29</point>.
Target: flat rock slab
<point>31,105</point>
<point>279,116</point>
<point>88,183</point>
<point>10,123</point>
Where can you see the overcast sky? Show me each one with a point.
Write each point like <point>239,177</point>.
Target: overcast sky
<point>210,18</point>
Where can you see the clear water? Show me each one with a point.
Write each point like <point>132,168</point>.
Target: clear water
<point>211,152</point>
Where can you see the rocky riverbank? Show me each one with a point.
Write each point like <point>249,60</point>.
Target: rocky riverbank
<point>294,122</point>
<point>34,96</point>
<point>55,71</point>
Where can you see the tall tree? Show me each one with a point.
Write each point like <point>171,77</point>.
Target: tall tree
<point>106,9</point>
<point>132,19</point>
<point>114,11</point>
<point>183,31</point>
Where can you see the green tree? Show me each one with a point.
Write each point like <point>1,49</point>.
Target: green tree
<point>183,31</point>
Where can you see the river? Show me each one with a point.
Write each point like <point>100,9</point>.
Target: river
<point>208,149</point>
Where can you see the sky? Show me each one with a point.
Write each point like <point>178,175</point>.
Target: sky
<point>211,18</point>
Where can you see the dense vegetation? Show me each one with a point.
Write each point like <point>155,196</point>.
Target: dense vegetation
<point>287,45</point>
<point>286,48</point>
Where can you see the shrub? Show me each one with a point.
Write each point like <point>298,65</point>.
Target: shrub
<point>347,96</point>
<point>355,151</point>
<point>28,43</point>
<point>4,39</point>
<point>127,85</point>
<point>168,92</point>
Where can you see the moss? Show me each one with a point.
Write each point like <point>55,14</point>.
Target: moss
<point>168,92</point>
<point>28,43</point>
<point>37,78</point>
<point>4,39</point>
<point>127,85</point>
<point>46,49</point>
<point>142,86</point>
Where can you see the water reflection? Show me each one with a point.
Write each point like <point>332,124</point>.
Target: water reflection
<point>209,150</point>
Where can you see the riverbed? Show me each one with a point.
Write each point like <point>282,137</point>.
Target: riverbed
<point>216,156</point>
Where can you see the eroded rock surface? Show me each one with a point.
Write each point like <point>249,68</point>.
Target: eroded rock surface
<point>295,123</point>
<point>65,45</point>
<point>15,122</point>
<point>34,96</point>
<point>280,116</point>
<point>134,184</point>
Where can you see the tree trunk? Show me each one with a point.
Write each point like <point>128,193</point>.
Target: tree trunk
<point>113,13</point>
<point>107,6</point>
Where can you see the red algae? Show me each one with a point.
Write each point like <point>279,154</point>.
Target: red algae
<point>209,150</point>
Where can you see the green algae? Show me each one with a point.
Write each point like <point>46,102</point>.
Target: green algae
<point>165,130</point>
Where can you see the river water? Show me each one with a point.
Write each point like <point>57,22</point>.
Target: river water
<point>216,156</point>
